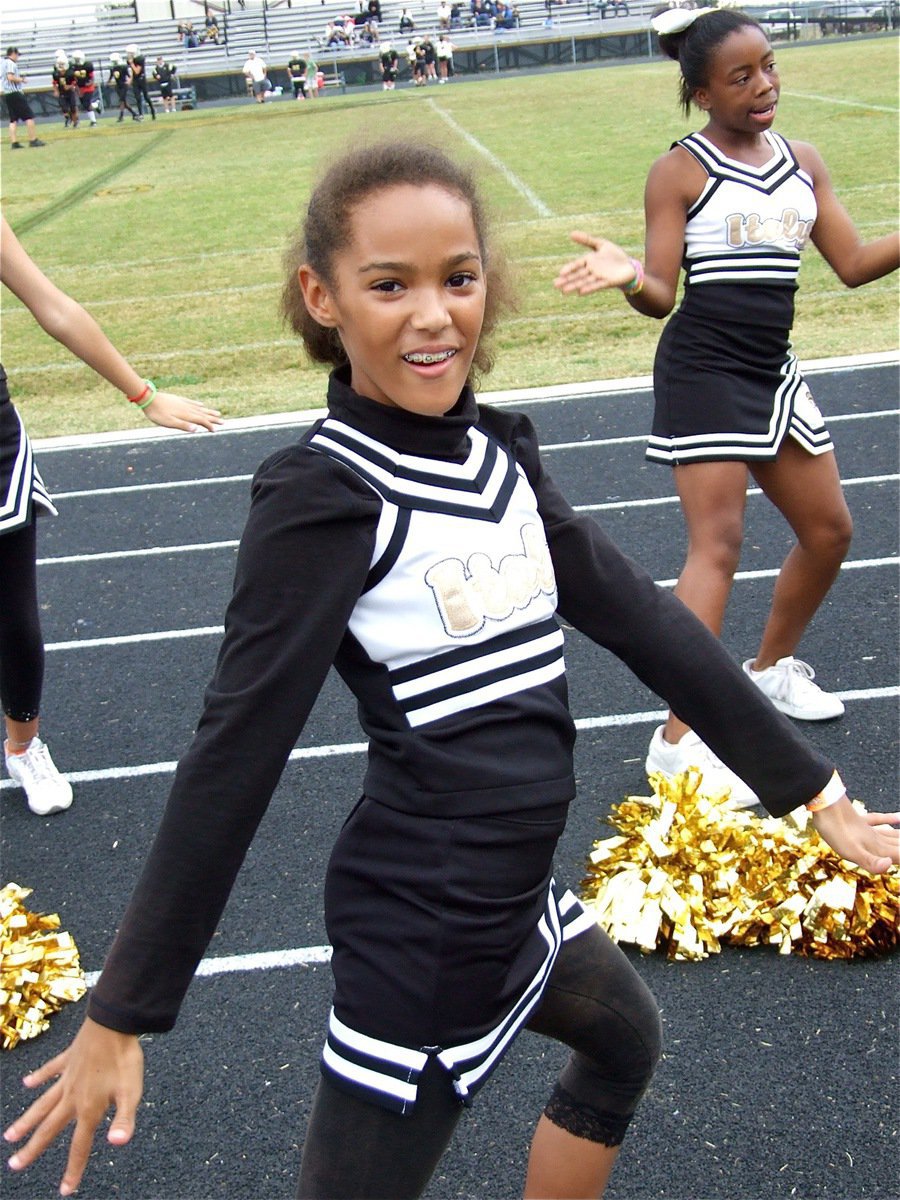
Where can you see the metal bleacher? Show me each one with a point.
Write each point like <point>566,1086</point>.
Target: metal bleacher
<point>277,28</point>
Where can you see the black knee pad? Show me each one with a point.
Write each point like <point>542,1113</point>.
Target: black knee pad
<point>598,1005</point>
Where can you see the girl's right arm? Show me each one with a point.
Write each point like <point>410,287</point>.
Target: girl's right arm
<point>673,184</point>
<point>302,564</point>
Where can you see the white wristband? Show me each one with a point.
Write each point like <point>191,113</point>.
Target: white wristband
<point>833,791</point>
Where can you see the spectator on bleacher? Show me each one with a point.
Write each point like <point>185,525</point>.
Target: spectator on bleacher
<point>407,24</point>
<point>87,88</point>
<point>17,106</point>
<point>390,67</point>
<point>504,17</point>
<point>164,75</point>
<point>210,29</point>
<point>455,15</point>
<point>336,34</point>
<point>296,73</point>
<point>119,78</point>
<point>619,8</point>
<point>138,64</point>
<point>369,33</point>
<point>482,14</point>
<point>444,50</point>
<point>187,34</point>
<point>443,15</point>
<point>254,71</point>
<point>62,80</point>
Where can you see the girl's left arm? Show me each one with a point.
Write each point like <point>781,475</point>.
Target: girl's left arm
<point>854,261</point>
<point>68,323</point>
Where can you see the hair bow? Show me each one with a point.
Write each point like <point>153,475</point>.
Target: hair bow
<point>675,20</point>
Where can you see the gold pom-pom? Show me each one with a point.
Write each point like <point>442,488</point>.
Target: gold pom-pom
<point>39,968</point>
<point>686,874</point>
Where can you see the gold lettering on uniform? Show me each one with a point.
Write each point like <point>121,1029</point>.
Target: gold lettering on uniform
<point>468,594</point>
<point>734,229</point>
<point>752,230</point>
<point>454,597</point>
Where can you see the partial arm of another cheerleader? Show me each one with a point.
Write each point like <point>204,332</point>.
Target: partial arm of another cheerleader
<point>73,327</point>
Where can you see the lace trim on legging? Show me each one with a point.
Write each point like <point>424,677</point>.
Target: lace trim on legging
<point>583,1121</point>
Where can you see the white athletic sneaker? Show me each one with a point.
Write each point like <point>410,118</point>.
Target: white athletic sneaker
<point>45,788</point>
<point>789,685</point>
<point>668,759</point>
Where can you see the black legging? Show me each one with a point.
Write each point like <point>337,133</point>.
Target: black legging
<point>141,93</point>
<point>21,644</point>
<point>595,1002</point>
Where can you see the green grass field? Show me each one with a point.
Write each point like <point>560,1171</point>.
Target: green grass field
<point>171,232</point>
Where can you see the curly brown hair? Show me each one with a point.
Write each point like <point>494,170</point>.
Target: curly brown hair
<point>325,231</point>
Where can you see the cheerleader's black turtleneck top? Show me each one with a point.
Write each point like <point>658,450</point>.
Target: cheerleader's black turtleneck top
<point>305,560</point>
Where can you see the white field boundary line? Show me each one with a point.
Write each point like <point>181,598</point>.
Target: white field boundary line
<point>314,955</point>
<point>233,543</point>
<point>549,448</point>
<point>162,635</point>
<point>518,185</point>
<point>885,108</point>
<point>586,390</point>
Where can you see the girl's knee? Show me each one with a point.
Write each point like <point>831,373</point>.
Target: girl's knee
<point>717,544</point>
<point>829,539</point>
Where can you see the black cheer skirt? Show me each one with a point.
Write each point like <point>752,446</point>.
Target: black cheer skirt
<point>21,486</point>
<point>727,389</point>
<point>444,932</point>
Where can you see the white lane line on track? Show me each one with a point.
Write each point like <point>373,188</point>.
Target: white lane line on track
<point>548,448</point>
<point>857,564</point>
<point>513,180</point>
<point>266,960</point>
<point>342,749</point>
<point>232,543</point>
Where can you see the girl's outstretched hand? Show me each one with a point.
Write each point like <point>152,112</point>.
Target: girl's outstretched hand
<point>870,840</point>
<point>606,265</point>
<point>101,1068</point>
<point>177,412</point>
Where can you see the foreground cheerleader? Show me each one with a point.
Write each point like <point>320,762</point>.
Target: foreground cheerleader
<point>414,540</point>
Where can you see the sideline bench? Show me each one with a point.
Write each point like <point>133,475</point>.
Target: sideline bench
<point>185,97</point>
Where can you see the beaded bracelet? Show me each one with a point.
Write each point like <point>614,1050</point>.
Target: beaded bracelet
<point>632,289</point>
<point>830,794</point>
<point>149,386</point>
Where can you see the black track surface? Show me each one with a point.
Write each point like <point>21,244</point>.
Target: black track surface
<point>780,1074</point>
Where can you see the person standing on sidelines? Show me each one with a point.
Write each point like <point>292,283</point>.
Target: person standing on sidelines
<point>164,74</point>
<point>736,204</point>
<point>17,107</point>
<point>22,493</point>
<point>254,71</point>
<point>296,73</point>
<point>413,540</point>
